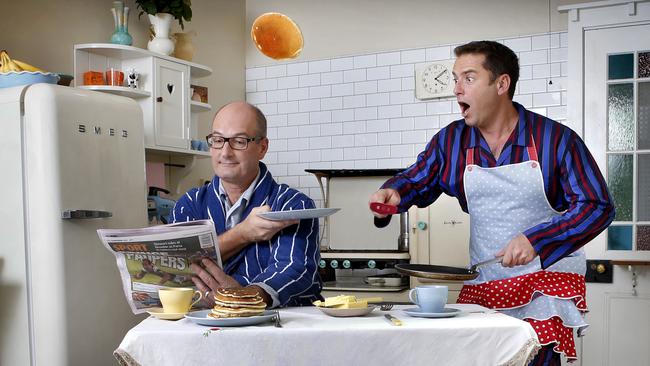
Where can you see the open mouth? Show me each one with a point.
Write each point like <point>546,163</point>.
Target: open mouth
<point>464,107</point>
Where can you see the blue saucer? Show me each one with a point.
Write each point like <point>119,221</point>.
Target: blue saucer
<point>445,313</point>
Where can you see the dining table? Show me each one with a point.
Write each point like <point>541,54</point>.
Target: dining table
<point>474,335</point>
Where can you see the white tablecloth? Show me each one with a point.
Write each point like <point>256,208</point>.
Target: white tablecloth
<point>309,337</point>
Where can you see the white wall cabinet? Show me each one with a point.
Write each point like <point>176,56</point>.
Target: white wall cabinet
<point>163,92</point>
<point>170,122</point>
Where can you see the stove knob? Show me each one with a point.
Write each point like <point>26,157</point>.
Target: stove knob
<point>322,263</point>
<point>346,264</point>
<point>372,264</point>
<point>334,263</point>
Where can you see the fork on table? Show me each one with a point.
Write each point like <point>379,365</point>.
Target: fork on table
<point>277,319</point>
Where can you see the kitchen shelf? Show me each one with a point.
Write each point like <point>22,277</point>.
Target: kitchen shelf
<point>177,151</point>
<point>164,132</point>
<point>123,52</point>
<point>167,123</point>
<point>199,106</point>
<point>118,90</point>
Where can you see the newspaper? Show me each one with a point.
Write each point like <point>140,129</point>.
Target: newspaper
<point>159,256</point>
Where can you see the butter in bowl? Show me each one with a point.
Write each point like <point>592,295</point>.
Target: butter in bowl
<point>347,305</point>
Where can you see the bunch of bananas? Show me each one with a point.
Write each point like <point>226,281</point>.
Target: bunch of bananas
<point>8,65</point>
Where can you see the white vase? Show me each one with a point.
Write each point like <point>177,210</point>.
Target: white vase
<point>161,43</point>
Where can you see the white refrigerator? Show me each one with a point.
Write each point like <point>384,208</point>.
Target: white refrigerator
<point>71,162</point>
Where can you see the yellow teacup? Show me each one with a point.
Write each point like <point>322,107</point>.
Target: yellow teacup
<point>178,299</point>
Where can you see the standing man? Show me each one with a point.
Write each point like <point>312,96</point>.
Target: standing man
<point>277,258</point>
<point>533,191</point>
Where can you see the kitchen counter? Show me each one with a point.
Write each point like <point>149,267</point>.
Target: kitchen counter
<point>309,337</point>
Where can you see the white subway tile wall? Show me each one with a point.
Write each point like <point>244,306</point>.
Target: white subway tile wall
<point>360,112</point>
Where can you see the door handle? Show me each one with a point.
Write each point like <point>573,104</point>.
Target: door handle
<point>159,99</point>
<point>85,214</point>
<point>599,268</point>
<point>599,271</point>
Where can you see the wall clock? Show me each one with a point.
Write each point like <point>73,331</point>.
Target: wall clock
<point>434,80</point>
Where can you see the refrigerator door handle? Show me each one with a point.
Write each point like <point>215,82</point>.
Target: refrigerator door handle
<point>85,214</point>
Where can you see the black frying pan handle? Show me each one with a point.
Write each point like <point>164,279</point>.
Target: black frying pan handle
<point>381,222</point>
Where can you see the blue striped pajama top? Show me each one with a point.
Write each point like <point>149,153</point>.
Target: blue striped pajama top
<point>286,264</point>
<point>572,180</point>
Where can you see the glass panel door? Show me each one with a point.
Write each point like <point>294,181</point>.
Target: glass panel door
<point>628,150</point>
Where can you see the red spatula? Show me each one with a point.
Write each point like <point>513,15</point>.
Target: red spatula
<point>384,209</point>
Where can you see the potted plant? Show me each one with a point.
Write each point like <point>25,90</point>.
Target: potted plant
<point>161,13</point>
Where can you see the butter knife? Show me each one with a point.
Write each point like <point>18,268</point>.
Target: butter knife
<point>392,320</point>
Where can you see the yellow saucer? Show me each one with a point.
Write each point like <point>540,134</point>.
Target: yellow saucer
<point>160,314</point>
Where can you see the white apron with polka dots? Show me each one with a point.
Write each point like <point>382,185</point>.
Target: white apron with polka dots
<point>503,202</point>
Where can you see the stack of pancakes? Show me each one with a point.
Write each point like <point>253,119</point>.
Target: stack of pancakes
<point>237,302</point>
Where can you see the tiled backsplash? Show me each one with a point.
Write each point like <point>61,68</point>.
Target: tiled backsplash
<point>360,111</point>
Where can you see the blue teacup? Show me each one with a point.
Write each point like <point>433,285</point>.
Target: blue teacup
<point>430,298</point>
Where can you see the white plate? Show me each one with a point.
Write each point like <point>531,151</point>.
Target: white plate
<point>310,213</point>
<point>446,313</point>
<point>160,314</point>
<point>347,312</point>
<point>201,317</point>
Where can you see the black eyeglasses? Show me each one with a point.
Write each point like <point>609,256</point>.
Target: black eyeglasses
<point>236,143</point>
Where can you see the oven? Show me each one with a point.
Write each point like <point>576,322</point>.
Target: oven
<point>358,258</point>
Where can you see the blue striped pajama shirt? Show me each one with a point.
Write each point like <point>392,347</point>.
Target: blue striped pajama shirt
<point>288,263</point>
<point>572,181</point>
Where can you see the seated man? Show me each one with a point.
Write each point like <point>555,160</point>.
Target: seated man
<point>278,258</point>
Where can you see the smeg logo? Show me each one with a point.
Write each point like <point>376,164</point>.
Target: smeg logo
<point>97,130</point>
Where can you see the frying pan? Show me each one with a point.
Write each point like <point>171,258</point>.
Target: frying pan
<point>445,273</point>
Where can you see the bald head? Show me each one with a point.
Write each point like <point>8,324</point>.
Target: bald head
<point>246,110</point>
<point>237,167</point>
